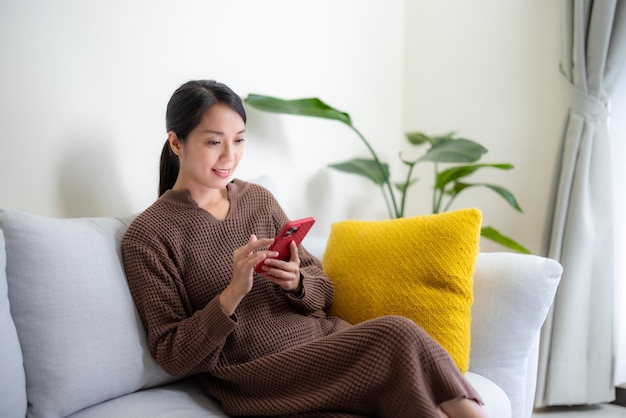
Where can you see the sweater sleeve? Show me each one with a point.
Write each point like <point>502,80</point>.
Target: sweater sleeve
<point>318,288</point>
<point>182,342</point>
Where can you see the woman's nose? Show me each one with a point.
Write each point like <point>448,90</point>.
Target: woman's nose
<point>227,152</point>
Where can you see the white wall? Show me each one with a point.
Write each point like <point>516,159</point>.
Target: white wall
<point>84,85</point>
<point>488,69</point>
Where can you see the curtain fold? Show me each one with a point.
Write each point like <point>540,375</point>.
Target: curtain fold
<point>618,136</point>
<point>576,356</point>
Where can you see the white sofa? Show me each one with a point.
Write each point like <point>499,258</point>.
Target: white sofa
<point>72,344</point>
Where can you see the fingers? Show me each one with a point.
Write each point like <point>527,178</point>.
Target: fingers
<point>281,268</point>
<point>248,256</point>
<point>254,243</point>
<point>286,274</point>
<point>245,258</point>
<point>248,253</point>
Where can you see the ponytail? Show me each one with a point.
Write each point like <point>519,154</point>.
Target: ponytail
<point>168,170</point>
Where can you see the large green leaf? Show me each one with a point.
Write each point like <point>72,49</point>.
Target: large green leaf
<point>379,174</point>
<point>506,195</point>
<point>304,107</point>
<point>457,172</point>
<point>459,186</point>
<point>494,235</point>
<point>454,151</point>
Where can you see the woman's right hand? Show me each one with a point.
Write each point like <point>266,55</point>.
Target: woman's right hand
<point>244,260</point>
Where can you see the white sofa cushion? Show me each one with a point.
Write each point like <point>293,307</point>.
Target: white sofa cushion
<point>13,387</point>
<point>512,295</point>
<point>188,399</point>
<point>81,338</point>
<point>497,403</point>
<point>185,398</point>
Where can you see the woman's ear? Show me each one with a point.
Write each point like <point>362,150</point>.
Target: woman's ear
<point>175,144</point>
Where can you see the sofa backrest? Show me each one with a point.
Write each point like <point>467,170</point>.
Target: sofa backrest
<point>81,338</point>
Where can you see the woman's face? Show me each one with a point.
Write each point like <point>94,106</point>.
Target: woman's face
<point>212,151</point>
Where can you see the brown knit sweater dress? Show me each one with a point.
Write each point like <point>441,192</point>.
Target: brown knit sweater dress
<point>278,355</point>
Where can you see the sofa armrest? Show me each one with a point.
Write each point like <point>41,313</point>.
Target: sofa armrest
<point>512,295</point>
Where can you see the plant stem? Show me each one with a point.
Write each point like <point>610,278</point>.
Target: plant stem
<point>449,203</point>
<point>383,175</point>
<point>436,198</point>
<point>389,211</point>
<point>406,188</point>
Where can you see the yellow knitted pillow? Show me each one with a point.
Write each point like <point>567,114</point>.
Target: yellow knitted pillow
<point>419,267</point>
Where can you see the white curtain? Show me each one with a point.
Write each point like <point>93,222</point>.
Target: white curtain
<point>577,345</point>
<point>618,151</point>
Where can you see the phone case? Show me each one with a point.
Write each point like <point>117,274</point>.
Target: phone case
<point>292,231</point>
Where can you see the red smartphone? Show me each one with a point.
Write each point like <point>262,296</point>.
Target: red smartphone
<point>291,231</point>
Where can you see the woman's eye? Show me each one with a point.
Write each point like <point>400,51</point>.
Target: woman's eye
<point>211,142</point>
<point>239,140</point>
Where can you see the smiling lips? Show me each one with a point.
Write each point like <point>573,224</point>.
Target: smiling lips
<point>222,172</point>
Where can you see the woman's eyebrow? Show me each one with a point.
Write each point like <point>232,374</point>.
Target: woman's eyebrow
<point>211,131</point>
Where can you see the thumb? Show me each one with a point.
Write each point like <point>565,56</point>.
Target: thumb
<point>294,251</point>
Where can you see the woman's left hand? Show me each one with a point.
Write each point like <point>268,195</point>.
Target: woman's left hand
<point>285,274</point>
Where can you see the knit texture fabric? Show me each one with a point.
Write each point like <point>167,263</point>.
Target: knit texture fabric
<point>278,355</point>
<point>420,267</point>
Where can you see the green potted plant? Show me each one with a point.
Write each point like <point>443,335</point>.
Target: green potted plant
<point>459,155</point>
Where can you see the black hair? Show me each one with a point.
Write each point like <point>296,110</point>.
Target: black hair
<point>184,113</point>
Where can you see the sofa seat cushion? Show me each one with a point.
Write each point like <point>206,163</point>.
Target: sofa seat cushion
<point>187,399</point>
<point>81,338</point>
<point>496,401</point>
<point>419,267</point>
<point>182,399</point>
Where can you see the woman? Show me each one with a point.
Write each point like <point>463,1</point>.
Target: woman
<point>262,344</point>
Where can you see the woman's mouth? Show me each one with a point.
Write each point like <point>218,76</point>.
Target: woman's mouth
<point>224,173</point>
